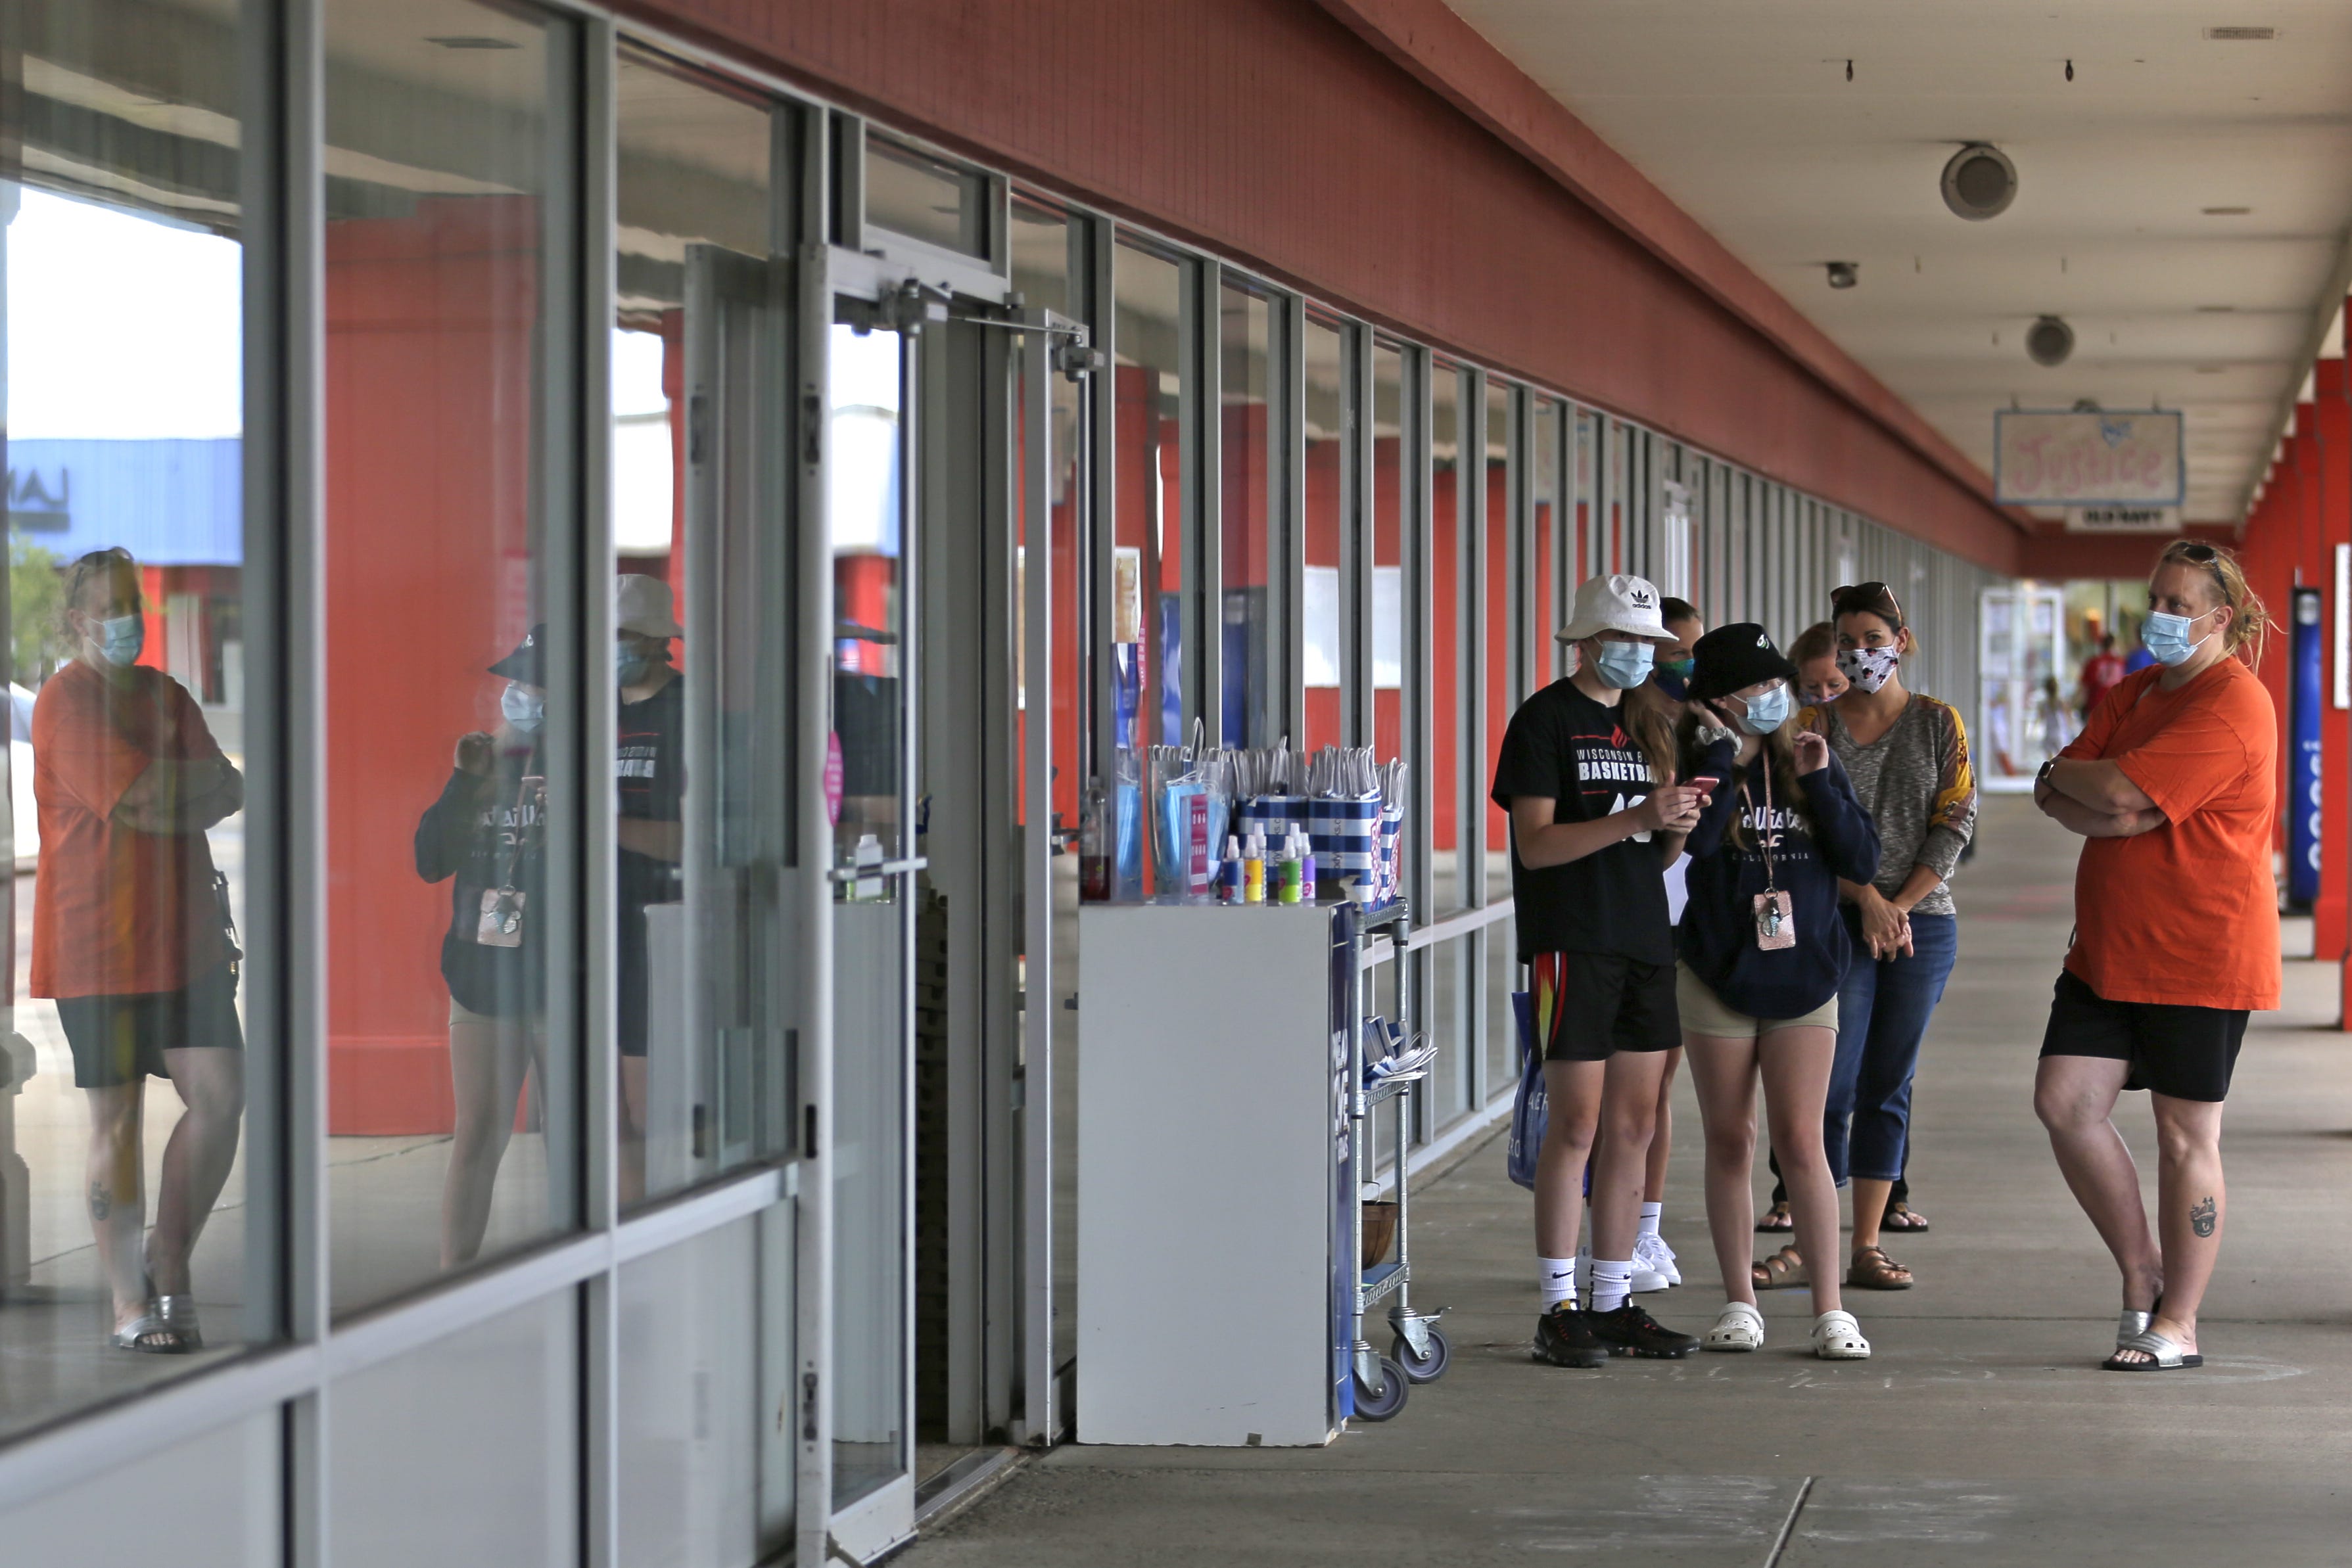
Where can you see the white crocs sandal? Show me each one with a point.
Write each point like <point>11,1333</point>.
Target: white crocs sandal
<point>1739,1327</point>
<point>1837,1337</point>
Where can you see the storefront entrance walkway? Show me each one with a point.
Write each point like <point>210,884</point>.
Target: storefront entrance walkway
<point>1980,1433</point>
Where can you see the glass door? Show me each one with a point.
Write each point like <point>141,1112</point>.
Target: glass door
<point>861,368</point>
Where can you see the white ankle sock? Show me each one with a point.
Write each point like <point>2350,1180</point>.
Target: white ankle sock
<point>1650,1212</point>
<point>1556,1278</point>
<point>1611,1283</point>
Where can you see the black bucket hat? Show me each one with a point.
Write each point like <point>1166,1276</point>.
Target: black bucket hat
<point>525,664</point>
<point>1733,656</point>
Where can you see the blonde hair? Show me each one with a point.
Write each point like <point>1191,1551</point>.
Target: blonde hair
<point>1780,753</point>
<point>2250,622</point>
<point>1818,641</point>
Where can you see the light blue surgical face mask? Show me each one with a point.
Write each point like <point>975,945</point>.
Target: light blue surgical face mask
<point>525,709</point>
<point>122,639</point>
<point>1766,711</point>
<point>1623,665</point>
<point>2166,637</point>
<point>630,662</point>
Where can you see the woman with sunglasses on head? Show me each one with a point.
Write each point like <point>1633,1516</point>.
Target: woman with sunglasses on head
<point>2175,937</point>
<point>1763,954</point>
<point>1908,755</point>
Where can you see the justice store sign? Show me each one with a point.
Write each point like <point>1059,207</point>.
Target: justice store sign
<point>2087,459</point>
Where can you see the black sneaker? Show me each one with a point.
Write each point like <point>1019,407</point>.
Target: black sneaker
<point>1630,1331</point>
<point>1564,1338</point>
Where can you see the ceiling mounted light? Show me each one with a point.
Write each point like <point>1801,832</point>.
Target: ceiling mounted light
<point>2225,211</point>
<point>2048,340</point>
<point>1843,274</point>
<point>2241,35</point>
<point>471,41</point>
<point>1979,181</point>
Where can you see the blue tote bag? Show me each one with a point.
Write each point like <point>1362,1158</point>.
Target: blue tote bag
<point>1528,1108</point>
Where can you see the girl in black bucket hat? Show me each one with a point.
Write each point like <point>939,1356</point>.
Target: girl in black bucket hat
<point>1763,950</point>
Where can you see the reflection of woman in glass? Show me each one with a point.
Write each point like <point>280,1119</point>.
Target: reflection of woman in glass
<point>130,937</point>
<point>486,833</point>
<point>649,775</point>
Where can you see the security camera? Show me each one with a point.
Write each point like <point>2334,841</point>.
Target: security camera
<point>2048,340</point>
<point>1844,273</point>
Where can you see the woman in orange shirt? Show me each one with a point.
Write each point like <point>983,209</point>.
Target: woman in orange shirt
<point>2172,781</point>
<point>130,937</point>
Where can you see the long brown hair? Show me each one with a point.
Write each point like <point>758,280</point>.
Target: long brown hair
<point>2250,626</point>
<point>1648,719</point>
<point>1787,792</point>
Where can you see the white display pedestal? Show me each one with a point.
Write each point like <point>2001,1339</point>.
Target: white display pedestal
<point>1207,1112</point>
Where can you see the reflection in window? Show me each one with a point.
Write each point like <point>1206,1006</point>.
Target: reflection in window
<point>1495,598</point>
<point>1147,608</point>
<point>122,1201</point>
<point>925,198</point>
<point>1449,552</point>
<point>443,1088</point>
<point>1246,557</point>
<point>1324,352</point>
<point>1388,533</point>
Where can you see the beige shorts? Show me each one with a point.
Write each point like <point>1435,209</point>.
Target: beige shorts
<point>1702,1011</point>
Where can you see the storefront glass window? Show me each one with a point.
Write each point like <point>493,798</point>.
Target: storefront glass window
<point>702,633</point>
<point>1149,614</point>
<point>1326,487</point>
<point>451,1105</point>
<point>1251,707</point>
<point>1449,584</point>
<point>125,1058</point>
<point>1388,551</point>
<point>1499,594</point>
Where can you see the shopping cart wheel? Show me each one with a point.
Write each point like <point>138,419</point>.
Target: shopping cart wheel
<point>1423,1368</point>
<point>1380,1404</point>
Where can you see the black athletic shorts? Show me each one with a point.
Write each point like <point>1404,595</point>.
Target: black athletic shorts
<point>2187,1052</point>
<point>122,1038</point>
<point>1588,1004</point>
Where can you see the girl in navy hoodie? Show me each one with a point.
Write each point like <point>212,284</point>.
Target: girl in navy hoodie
<point>1762,952</point>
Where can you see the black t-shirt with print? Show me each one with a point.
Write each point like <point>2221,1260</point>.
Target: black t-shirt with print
<point>1563,746</point>
<point>649,773</point>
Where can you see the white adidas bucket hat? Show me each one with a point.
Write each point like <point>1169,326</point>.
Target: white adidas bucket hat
<point>1619,603</point>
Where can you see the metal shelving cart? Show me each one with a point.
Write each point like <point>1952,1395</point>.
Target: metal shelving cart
<point>1418,1351</point>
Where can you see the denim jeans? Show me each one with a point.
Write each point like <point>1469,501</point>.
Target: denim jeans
<point>1882,1012</point>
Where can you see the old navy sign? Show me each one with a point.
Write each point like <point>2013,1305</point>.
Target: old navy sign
<point>40,502</point>
<point>2090,459</point>
<point>2123,520</point>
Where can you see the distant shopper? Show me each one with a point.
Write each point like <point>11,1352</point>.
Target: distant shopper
<point>1653,708</point>
<point>1763,954</point>
<point>649,775</point>
<point>486,836</point>
<point>1591,828</point>
<point>2101,671</point>
<point>1907,756</point>
<point>2175,937</point>
<point>130,937</point>
<point>2139,659</point>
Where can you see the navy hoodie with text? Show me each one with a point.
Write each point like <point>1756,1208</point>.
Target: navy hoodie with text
<point>1718,935</point>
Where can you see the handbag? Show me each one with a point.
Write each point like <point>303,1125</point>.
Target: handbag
<point>1530,1106</point>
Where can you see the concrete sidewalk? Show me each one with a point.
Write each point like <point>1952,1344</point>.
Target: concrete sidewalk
<point>1981,1432</point>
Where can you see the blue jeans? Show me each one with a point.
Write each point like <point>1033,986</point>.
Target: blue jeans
<point>1882,1012</point>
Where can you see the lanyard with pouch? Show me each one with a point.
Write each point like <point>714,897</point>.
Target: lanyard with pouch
<point>1776,925</point>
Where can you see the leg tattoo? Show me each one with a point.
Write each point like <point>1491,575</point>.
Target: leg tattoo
<point>102,1202</point>
<point>2202,1217</point>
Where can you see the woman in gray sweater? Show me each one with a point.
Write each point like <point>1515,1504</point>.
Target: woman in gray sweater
<point>1908,757</point>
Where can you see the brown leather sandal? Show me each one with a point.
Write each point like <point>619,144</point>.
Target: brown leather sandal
<point>1782,1270</point>
<point>1875,1270</point>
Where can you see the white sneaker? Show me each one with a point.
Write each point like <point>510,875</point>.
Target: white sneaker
<point>1652,1256</point>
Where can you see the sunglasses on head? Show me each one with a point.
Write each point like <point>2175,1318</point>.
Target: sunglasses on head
<point>2202,554</point>
<point>1874,597</point>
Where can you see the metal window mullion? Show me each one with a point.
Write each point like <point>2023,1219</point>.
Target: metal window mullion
<point>1359,515</point>
<point>1473,515</point>
<point>1286,588</point>
<point>600,1335</point>
<point>1095,267</point>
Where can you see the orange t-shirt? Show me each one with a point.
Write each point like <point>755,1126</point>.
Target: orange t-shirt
<point>2187,913</point>
<point>116,911</point>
